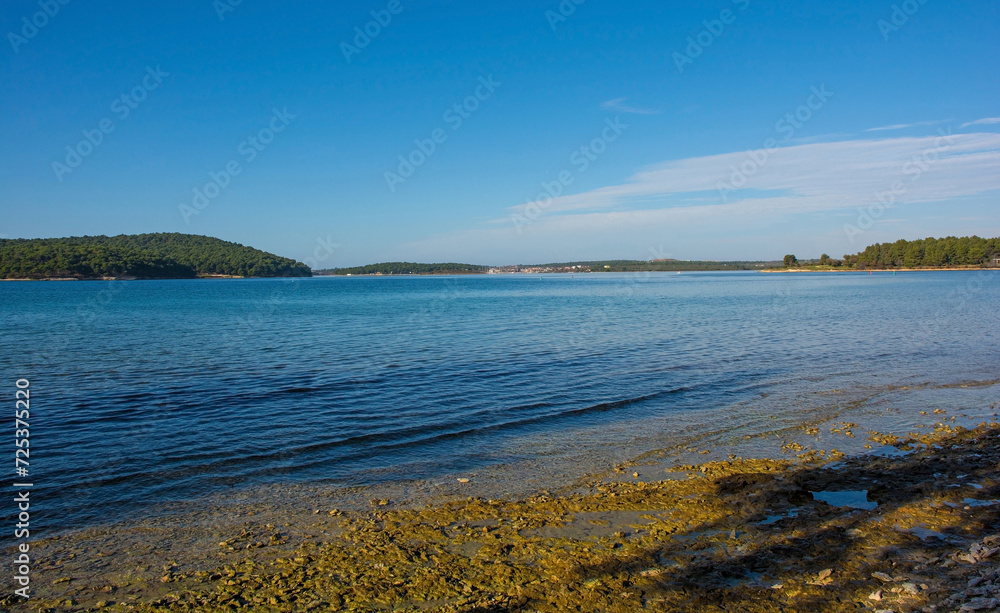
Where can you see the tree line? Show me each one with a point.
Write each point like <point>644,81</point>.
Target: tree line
<point>967,251</point>
<point>139,256</point>
<point>411,268</point>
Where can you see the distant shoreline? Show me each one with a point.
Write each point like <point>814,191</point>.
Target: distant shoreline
<point>409,274</point>
<point>483,274</point>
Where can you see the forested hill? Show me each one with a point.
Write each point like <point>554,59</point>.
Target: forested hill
<point>139,256</point>
<point>928,253</point>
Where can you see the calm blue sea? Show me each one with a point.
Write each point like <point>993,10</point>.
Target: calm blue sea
<point>147,392</point>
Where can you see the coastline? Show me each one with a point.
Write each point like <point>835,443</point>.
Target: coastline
<point>460,273</point>
<point>855,270</point>
<point>747,532</point>
<point>199,277</point>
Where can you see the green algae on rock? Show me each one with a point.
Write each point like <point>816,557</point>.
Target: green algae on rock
<point>735,535</point>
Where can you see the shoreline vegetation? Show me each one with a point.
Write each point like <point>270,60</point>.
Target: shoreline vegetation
<point>185,256</point>
<point>124,278</point>
<point>140,256</point>
<point>855,270</point>
<point>412,268</point>
<point>951,253</point>
<point>967,253</point>
<point>907,531</point>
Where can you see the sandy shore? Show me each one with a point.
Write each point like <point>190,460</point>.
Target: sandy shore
<point>914,529</point>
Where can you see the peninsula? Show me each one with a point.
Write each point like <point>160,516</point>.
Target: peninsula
<point>139,256</point>
<point>949,253</point>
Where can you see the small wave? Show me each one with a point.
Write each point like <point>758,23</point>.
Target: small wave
<point>367,446</point>
<point>301,390</point>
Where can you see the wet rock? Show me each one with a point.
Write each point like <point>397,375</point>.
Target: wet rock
<point>676,545</point>
<point>980,604</point>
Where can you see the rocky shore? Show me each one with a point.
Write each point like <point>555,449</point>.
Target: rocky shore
<point>914,530</point>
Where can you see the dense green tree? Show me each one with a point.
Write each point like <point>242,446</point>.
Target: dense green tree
<point>791,260</point>
<point>140,256</point>
<point>928,253</point>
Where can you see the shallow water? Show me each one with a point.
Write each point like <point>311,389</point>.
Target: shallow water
<point>152,392</point>
<point>851,499</point>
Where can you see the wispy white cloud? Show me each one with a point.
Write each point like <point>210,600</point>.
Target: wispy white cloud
<point>901,126</point>
<point>811,176</point>
<point>982,122</point>
<point>895,126</point>
<point>680,197</point>
<point>618,104</point>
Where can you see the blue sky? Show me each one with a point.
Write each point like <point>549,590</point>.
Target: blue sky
<point>731,129</point>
